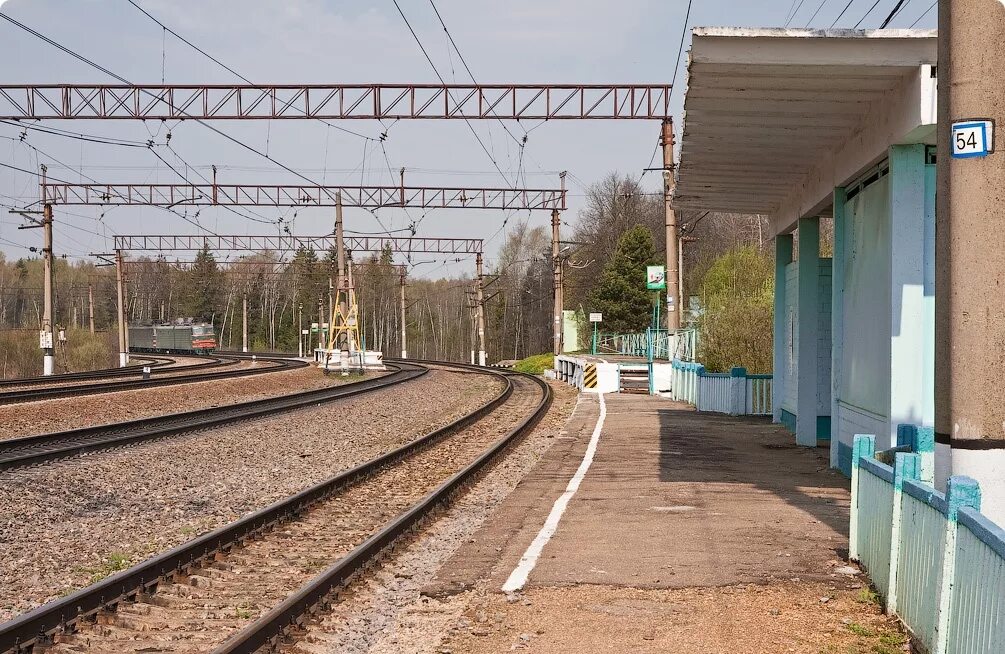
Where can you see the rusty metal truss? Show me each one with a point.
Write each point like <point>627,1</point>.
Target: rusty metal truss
<point>369,244</point>
<point>336,101</point>
<point>301,195</point>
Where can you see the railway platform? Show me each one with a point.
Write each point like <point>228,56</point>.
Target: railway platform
<point>687,532</point>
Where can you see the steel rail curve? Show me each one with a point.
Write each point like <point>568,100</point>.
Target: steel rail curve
<point>33,450</point>
<point>40,625</point>
<point>56,392</point>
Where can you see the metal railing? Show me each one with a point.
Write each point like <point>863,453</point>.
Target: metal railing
<point>652,344</point>
<point>938,563</point>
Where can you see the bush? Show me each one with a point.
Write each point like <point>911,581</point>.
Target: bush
<point>736,323</point>
<point>535,365</point>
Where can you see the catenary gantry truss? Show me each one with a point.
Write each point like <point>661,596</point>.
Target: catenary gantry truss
<point>336,101</point>
<point>302,195</point>
<point>226,243</point>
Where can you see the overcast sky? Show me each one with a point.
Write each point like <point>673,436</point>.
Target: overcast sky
<point>361,41</point>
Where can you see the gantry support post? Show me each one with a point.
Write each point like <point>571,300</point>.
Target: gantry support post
<point>404,345</point>
<point>244,322</point>
<point>673,244</point>
<point>120,307</point>
<point>90,306</point>
<point>480,308</point>
<point>556,265</point>
<point>48,344</point>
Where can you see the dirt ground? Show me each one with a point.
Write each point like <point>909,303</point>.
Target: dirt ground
<point>749,618</point>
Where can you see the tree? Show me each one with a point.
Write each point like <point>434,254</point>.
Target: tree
<point>204,287</point>
<point>737,295</point>
<point>621,294</point>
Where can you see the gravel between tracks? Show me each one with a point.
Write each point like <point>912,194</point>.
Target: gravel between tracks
<point>385,613</point>
<point>88,410</point>
<point>66,524</point>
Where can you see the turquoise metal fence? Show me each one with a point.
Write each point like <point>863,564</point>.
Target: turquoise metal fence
<point>652,344</point>
<point>735,393</point>
<point>936,560</point>
<point>976,624</point>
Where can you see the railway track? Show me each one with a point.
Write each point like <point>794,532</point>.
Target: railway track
<point>35,450</point>
<point>177,375</point>
<point>151,361</point>
<point>256,583</point>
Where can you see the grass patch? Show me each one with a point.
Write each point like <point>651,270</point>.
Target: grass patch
<point>868,596</point>
<point>535,365</point>
<point>860,630</point>
<point>115,562</point>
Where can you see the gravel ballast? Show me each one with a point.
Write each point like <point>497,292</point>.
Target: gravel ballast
<point>89,410</point>
<point>65,525</point>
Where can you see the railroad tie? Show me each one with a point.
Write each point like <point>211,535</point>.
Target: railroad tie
<point>590,376</point>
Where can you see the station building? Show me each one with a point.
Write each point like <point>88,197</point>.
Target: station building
<point>831,133</point>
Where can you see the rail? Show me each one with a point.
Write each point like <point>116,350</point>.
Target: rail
<point>42,448</point>
<point>63,615</point>
<point>938,563</point>
<point>55,392</point>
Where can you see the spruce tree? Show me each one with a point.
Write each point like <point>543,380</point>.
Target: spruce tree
<point>621,293</point>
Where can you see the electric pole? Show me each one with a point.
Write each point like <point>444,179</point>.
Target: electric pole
<point>48,346</point>
<point>669,184</point>
<point>556,266</point>
<point>404,346</point>
<point>300,330</point>
<point>90,305</point>
<point>970,257</point>
<point>244,322</point>
<point>480,309</point>
<point>340,275</point>
<point>120,307</point>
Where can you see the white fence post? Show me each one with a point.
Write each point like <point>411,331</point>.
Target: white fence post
<point>905,466</point>
<point>960,491</point>
<point>737,391</point>
<point>862,445</point>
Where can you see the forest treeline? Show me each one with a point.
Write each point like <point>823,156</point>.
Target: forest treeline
<point>726,263</point>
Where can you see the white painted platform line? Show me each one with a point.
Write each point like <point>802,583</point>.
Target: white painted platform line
<point>518,578</point>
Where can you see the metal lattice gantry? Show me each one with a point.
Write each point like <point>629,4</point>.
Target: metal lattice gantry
<point>286,243</point>
<point>335,101</point>
<point>302,195</point>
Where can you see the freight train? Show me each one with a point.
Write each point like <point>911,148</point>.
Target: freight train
<point>179,337</point>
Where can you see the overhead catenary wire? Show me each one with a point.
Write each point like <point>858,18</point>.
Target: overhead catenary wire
<point>919,18</point>
<point>874,4</point>
<point>893,12</point>
<point>225,66</point>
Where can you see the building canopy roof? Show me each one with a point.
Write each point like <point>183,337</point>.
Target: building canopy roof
<point>765,106</point>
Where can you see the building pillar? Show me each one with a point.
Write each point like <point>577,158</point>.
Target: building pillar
<point>909,326</point>
<point>837,321</point>
<point>970,306</point>
<point>783,257</point>
<point>808,328</point>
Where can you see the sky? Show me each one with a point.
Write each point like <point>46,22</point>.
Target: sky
<point>359,41</point>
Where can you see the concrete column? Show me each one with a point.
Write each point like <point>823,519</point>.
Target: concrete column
<point>837,320</point>
<point>970,306</point>
<point>808,327</point>
<point>908,327</point>
<point>783,257</point>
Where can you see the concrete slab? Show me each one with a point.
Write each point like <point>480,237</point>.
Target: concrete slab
<point>674,499</point>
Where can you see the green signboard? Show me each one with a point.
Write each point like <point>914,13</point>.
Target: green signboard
<point>656,278</point>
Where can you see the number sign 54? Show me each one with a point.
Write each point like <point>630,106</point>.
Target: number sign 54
<point>972,138</point>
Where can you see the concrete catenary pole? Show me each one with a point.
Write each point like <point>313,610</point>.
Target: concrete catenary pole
<point>480,308</point>
<point>244,322</point>
<point>49,353</point>
<point>90,306</point>
<point>404,344</point>
<point>300,330</point>
<point>556,266</point>
<point>120,307</point>
<point>970,252</point>
<point>669,184</point>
